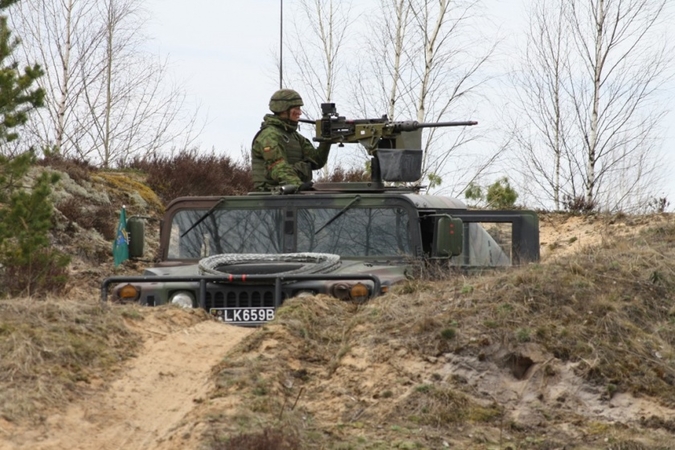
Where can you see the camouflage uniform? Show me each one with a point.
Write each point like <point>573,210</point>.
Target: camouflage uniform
<point>279,154</point>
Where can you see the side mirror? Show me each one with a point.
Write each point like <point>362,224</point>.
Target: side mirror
<point>136,231</point>
<point>448,237</point>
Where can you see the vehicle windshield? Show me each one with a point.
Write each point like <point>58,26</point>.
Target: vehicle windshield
<point>356,232</point>
<point>365,232</point>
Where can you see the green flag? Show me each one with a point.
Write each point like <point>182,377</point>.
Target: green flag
<point>121,243</point>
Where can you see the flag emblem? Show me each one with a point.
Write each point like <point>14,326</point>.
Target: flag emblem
<point>120,248</point>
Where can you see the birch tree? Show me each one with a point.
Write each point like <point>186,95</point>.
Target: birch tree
<point>379,82</point>
<point>413,59</point>
<point>107,99</point>
<point>541,141</point>
<point>320,32</point>
<point>132,107</point>
<point>424,62</point>
<point>56,34</point>
<point>606,85</point>
<point>446,76</point>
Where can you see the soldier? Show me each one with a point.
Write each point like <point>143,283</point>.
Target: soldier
<point>279,154</point>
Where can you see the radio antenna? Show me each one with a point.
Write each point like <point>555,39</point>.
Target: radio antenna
<point>281,45</point>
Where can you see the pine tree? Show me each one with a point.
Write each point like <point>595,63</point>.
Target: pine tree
<point>29,264</point>
<point>18,96</point>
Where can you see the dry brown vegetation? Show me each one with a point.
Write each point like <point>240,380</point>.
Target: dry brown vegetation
<point>191,173</point>
<point>55,351</point>
<point>575,352</point>
<point>340,174</point>
<point>533,357</point>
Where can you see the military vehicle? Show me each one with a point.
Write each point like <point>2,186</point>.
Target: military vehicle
<point>241,257</point>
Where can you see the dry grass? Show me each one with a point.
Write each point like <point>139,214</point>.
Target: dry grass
<point>52,352</point>
<point>267,439</point>
<point>124,184</point>
<point>440,407</point>
<point>608,311</point>
<point>608,307</point>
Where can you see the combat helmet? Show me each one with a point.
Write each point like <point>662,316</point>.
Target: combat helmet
<point>284,99</point>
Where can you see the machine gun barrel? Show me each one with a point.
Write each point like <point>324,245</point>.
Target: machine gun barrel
<point>407,125</point>
<point>412,125</point>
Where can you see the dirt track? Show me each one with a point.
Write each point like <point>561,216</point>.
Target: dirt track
<point>153,394</point>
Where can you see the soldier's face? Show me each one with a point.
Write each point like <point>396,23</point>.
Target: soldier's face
<point>294,113</point>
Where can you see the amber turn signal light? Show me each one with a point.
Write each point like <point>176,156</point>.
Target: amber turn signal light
<point>129,292</point>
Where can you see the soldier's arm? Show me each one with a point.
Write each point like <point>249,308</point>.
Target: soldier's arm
<point>317,156</point>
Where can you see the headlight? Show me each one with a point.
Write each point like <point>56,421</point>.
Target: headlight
<point>347,291</point>
<point>359,292</point>
<point>183,299</point>
<point>129,292</point>
<point>341,291</point>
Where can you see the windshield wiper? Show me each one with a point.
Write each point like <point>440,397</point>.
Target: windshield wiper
<point>342,211</point>
<point>201,219</point>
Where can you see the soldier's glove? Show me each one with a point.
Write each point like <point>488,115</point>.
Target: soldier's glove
<point>306,186</point>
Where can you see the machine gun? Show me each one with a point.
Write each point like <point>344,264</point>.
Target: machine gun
<point>395,146</point>
<point>373,134</point>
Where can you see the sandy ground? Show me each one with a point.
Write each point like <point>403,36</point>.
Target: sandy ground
<point>154,393</point>
<point>149,405</point>
<point>564,234</point>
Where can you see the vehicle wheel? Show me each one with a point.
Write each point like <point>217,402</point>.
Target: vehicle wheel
<point>285,263</point>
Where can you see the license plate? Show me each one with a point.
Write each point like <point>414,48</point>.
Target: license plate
<point>247,315</point>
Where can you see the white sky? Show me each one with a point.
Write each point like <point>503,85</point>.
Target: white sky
<point>223,55</point>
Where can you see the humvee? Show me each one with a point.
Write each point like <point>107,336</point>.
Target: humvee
<point>241,257</point>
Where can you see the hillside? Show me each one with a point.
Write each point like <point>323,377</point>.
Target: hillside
<point>575,352</point>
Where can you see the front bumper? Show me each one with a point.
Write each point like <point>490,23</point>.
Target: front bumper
<point>239,291</point>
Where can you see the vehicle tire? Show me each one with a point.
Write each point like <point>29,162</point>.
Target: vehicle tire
<point>302,263</point>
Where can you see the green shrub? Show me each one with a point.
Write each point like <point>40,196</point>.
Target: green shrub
<point>30,265</point>
<point>499,195</point>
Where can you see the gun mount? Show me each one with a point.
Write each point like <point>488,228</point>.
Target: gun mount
<point>396,147</point>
